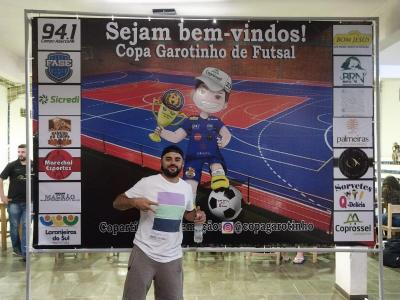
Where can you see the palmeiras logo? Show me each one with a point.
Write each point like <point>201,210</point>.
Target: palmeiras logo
<point>353,163</point>
<point>59,66</point>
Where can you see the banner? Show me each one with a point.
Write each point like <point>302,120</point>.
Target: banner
<point>283,110</point>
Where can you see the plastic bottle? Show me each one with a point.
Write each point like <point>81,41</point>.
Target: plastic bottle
<point>198,233</point>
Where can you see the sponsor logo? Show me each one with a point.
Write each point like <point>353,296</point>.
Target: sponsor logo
<point>58,164</point>
<point>352,39</point>
<point>63,33</point>
<point>190,172</point>
<point>353,224</point>
<point>353,163</point>
<point>60,196</point>
<point>59,220</point>
<point>59,129</point>
<point>45,99</point>
<point>353,128</point>
<point>353,194</point>
<point>197,137</point>
<point>227,228</point>
<point>58,66</point>
<point>352,72</point>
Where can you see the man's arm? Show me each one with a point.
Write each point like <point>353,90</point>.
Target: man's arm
<point>195,215</point>
<point>3,197</point>
<point>122,202</point>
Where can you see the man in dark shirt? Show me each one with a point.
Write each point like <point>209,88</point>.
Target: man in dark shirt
<point>16,200</point>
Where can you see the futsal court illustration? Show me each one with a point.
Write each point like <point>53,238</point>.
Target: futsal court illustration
<point>280,154</point>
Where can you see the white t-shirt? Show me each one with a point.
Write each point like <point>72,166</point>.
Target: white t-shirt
<point>159,234</point>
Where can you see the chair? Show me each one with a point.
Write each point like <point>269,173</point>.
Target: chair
<point>389,229</point>
<point>4,233</point>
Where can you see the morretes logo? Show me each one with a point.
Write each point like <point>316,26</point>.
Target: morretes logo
<point>59,66</point>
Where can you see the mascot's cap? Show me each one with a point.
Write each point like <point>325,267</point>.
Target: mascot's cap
<point>216,80</point>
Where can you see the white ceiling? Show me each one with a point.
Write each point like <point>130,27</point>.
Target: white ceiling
<point>12,38</point>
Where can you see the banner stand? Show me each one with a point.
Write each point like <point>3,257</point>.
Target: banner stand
<point>343,255</point>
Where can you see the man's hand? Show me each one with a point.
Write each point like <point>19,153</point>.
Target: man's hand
<point>122,202</point>
<point>5,199</point>
<point>144,204</point>
<point>200,216</point>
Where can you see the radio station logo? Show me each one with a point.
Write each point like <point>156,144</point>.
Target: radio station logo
<point>352,72</point>
<point>58,66</point>
<point>59,129</point>
<point>353,163</point>
<point>353,38</point>
<point>59,220</point>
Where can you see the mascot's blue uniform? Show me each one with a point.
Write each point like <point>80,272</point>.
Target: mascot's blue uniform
<point>203,146</point>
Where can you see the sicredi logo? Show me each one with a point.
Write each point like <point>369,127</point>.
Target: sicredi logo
<point>45,99</point>
<point>353,224</point>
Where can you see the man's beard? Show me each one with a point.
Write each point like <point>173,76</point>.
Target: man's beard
<point>21,158</point>
<point>170,174</point>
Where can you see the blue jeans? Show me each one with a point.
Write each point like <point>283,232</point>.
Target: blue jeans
<point>17,217</point>
<point>395,219</point>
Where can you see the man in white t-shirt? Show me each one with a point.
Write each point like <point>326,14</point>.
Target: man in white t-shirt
<point>163,200</point>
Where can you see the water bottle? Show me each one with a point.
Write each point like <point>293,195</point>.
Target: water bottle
<point>198,233</point>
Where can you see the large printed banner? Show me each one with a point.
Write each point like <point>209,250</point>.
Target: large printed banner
<point>282,112</point>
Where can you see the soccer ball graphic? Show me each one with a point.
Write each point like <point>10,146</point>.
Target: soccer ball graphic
<point>226,204</point>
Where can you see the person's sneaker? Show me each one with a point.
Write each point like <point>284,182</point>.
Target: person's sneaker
<point>16,253</point>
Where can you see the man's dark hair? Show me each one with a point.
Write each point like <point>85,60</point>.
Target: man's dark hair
<point>22,146</point>
<point>172,148</point>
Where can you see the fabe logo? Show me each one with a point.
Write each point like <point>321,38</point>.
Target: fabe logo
<point>58,66</point>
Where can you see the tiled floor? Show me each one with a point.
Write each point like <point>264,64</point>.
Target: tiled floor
<point>211,276</point>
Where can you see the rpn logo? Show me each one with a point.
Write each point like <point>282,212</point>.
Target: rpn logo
<point>43,99</point>
<point>59,66</point>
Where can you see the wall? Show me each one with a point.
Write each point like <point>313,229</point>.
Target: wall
<point>8,152</point>
<point>3,126</point>
<point>390,116</point>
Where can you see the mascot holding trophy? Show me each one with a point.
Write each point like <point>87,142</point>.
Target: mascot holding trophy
<point>172,102</point>
<point>205,132</point>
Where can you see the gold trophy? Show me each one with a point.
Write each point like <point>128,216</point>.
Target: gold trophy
<point>170,105</point>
